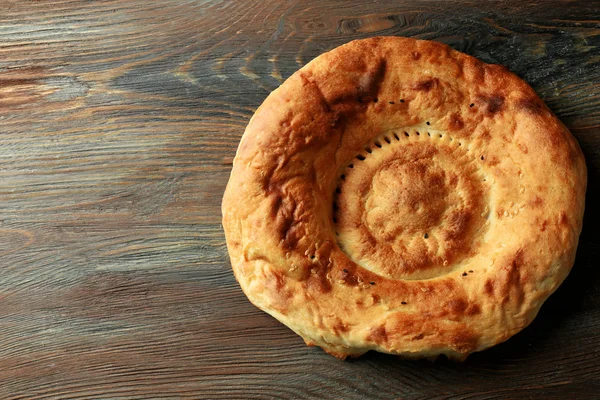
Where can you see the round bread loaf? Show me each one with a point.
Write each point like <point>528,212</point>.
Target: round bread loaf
<point>399,196</point>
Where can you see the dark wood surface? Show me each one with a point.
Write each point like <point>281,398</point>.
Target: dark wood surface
<point>119,121</point>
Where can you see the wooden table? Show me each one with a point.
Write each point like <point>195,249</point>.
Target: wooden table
<point>119,121</point>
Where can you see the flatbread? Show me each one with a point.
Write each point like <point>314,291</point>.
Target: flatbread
<point>399,196</point>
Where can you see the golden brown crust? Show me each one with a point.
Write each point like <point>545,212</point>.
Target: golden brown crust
<point>399,196</point>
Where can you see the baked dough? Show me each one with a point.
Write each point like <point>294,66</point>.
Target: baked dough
<point>399,196</point>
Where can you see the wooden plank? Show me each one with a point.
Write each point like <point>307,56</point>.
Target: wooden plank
<point>119,121</point>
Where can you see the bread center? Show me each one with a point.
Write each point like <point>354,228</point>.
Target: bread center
<point>412,208</point>
<point>408,198</point>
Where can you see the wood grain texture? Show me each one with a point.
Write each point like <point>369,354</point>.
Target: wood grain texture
<point>119,121</point>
